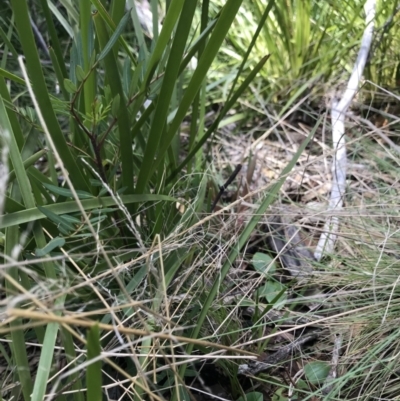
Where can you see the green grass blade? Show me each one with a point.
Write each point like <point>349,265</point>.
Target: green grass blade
<point>15,155</point>
<point>55,243</point>
<point>59,74</point>
<point>76,383</point>
<point>302,31</point>
<point>113,78</point>
<point>259,29</point>
<point>8,43</point>
<point>197,45</point>
<point>221,28</point>
<point>117,11</point>
<point>114,37</point>
<point>138,30</point>
<point>46,356</point>
<point>167,89</point>
<point>111,24</point>
<point>154,11</point>
<point>228,105</point>
<point>55,42</point>
<point>11,76</point>
<point>16,128</point>
<point>18,347</point>
<point>35,71</point>
<point>198,108</point>
<point>72,13</point>
<point>30,161</point>
<point>93,372</point>
<point>12,239</point>
<point>26,216</point>
<point>174,10</point>
<point>86,36</point>
<point>169,23</point>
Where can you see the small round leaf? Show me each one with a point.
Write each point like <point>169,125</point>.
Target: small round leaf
<point>80,74</point>
<point>316,372</point>
<point>270,290</point>
<point>263,263</point>
<point>69,86</point>
<point>253,396</point>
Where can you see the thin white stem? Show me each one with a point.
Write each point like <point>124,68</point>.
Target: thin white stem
<point>328,237</point>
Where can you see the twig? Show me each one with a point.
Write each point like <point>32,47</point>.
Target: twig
<point>328,385</point>
<point>327,240</point>
<point>378,131</point>
<point>271,361</point>
<point>39,37</point>
<point>227,183</point>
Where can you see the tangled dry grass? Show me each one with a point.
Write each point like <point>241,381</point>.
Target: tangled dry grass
<point>352,294</point>
<point>361,277</point>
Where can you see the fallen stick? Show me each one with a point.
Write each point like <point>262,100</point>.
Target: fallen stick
<point>328,237</point>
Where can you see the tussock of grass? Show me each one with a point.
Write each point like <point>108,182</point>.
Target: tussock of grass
<point>152,297</point>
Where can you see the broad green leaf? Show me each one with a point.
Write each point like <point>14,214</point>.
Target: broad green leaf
<point>316,372</point>
<point>280,395</point>
<point>274,292</point>
<point>253,396</point>
<point>302,384</point>
<point>70,86</point>
<point>80,74</point>
<point>263,263</point>
<point>246,302</point>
